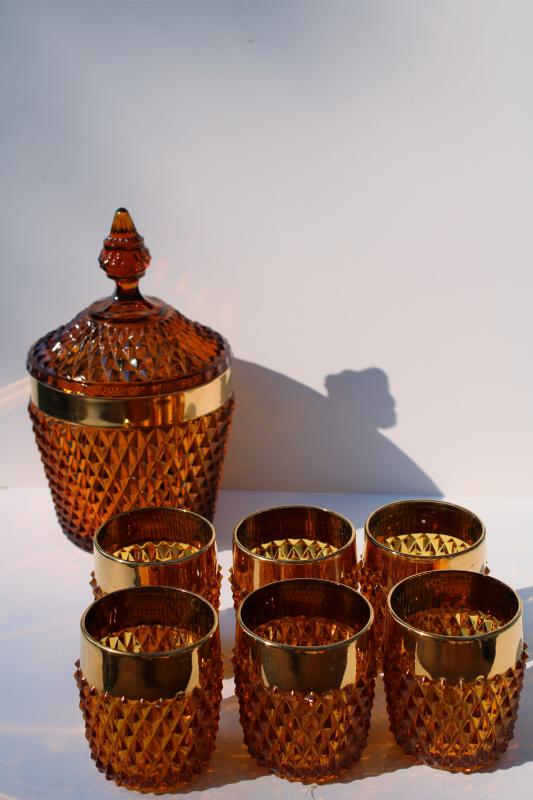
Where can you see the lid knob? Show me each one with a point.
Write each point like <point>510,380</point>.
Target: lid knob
<point>124,256</point>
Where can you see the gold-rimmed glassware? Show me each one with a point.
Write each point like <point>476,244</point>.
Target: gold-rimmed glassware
<point>150,684</point>
<point>411,536</point>
<point>131,402</point>
<point>454,661</point>
<point>292,542</point>
<point>304,675</point>
<point>157,547</point>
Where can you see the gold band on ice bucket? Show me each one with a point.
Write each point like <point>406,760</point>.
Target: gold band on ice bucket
<point>132,412</point>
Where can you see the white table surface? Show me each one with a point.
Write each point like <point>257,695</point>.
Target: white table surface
<point>44,589</point>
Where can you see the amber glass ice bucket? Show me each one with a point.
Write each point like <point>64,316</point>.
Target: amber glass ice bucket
<point>131,402</point>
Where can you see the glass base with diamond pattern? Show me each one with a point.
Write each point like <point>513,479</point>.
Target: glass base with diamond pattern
<point>304,676</point>
<point>412,536</point>
<point>292,542</point>
<point>453,668</point>
<point>118,469</point>
<point>150,689</point>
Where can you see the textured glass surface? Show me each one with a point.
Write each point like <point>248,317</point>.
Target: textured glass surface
<point>458,726</point>
<point>160,550</point>
<point>94,473</point>
<point>117,359</point>
<point>304,736</point>
<point>301,631</point>
<point>127,344</point>
<point>152,746</point>
<point>453,663</point>
<point>150,638</point>
<point>425,544</point>
<point>292,542</point>
<point>128,349</point>
<point>383,571</point>
<point>454,621</point>
<point>294,549</point>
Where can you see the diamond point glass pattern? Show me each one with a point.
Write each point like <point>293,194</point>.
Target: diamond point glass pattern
<point>294,549</point>
<point>425,544</point>
<point>131,401</point>
<point>94,473</point>
<point>412,536</point>
<point>460,727</point>
<point>152,746</point>
<point>161,550</point>
<point>157,546</point>
<point>325,732</point>
<point>316,727</point>
<point>149,638</point>
<point>292,542</point>
<point>150,685</point>
<point>454,666</point>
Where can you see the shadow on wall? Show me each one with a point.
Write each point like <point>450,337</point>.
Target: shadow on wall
<point>288,437</point>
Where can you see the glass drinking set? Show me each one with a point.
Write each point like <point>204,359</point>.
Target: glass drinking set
<point>308,644</point>
<point>131,406</point>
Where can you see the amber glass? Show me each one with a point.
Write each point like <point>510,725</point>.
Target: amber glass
<point>131,401</point>
<point>157,547</point>
<point>150,684</point>
<point>411,536</point>
<point>454,663</point>
<point>304,676</point>
<point>292,542</point>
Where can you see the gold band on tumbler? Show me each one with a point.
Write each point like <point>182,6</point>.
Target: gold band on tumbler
<point>292,542</point>
<point>157,547</point>
<point>150,683</point>
<point>411,536</point>
<point>132,412</point>
<point>304,675</point>
<point>453,667</point>
<point>141,673</point>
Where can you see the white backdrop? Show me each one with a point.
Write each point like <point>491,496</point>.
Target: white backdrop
<point>343,189</point>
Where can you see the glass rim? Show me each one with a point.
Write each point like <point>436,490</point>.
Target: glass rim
<point>448,574</point>
<point>160,654</point>
<point>328,648</point>
<point>292,561</point>
<point>158,563</point>
<point>420,557</point>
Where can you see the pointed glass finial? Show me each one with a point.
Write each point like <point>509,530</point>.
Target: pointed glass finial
<point>122,222</point>
<point>124,256</point>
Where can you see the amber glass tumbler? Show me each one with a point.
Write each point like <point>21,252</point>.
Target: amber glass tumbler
<point>157,547</point>
<point>411,536</point>
<point>292,542</point>
<point>150,683</point>
<point>453,667</point>
<point>304,676</point>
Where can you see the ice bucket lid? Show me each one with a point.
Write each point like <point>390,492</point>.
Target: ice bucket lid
<point>128,345</point>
